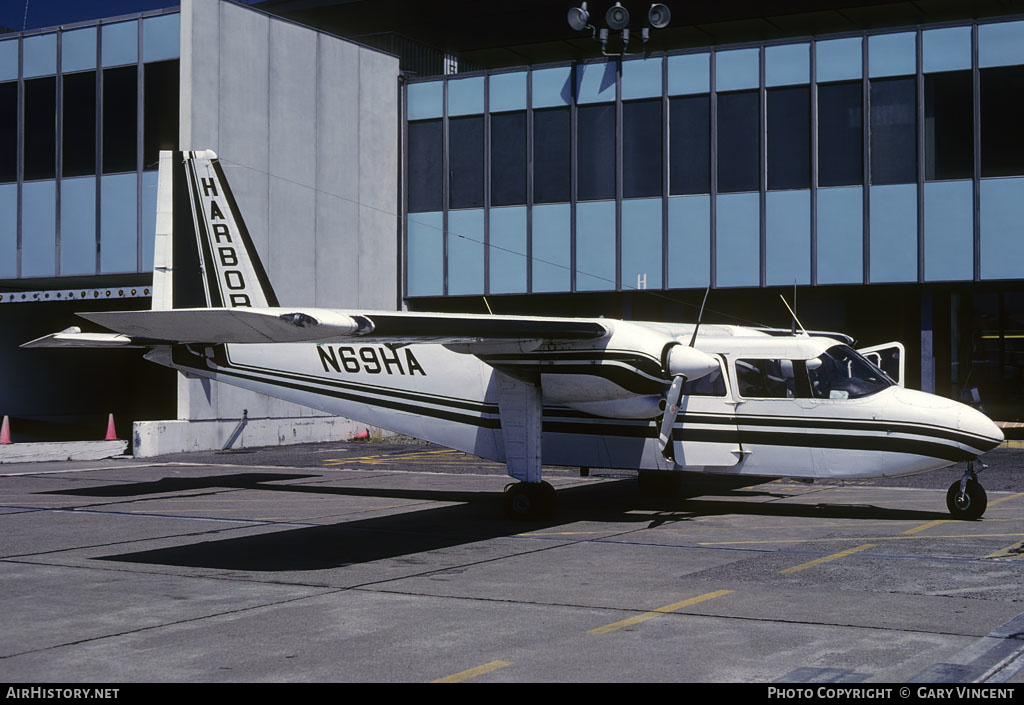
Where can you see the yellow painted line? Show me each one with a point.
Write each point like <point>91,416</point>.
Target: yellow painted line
<point>1006,499</point>
<point>473,672</point>
<point>1014,551</point>
<point>1012,444</point>
<point>826,559</point>
<point>926,526</point>
<point>860,538</point>
<point>658,612</point>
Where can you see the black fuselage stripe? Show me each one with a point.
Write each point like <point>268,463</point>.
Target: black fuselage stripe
<point>796,438</point>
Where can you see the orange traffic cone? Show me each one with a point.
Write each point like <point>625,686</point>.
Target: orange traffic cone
<point>361,436</point>
<point>5,432</point>
<point>111,431</point>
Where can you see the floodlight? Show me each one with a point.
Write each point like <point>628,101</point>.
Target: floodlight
<point>659,15</point>
<point>579,18</point>
<point>617,17</point>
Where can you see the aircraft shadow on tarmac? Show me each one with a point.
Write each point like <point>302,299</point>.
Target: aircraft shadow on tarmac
<point>477,517</point>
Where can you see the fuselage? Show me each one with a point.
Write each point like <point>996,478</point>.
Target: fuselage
<point>601,403</point>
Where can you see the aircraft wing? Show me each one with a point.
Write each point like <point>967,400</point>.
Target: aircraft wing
<point>311,325</point>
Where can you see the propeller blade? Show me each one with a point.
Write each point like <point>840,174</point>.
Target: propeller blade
<point>675,393</point>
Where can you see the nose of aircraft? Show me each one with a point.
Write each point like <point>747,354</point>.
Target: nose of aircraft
<point>976,423</point>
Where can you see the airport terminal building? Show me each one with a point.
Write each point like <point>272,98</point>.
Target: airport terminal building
<point>865,157</point>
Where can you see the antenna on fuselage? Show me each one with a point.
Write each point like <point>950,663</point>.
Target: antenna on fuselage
<point>700,317</point>
<point>796,321</point>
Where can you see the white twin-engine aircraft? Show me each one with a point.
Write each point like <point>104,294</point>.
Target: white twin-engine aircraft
<point>742,405</point>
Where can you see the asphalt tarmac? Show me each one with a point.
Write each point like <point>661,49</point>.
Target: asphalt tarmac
<point>361,562</point>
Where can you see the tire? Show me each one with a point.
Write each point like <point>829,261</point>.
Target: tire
<point>529,500</point>
<point>972,505</point>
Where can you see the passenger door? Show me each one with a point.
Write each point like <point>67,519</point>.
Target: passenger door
<point>888,357</point>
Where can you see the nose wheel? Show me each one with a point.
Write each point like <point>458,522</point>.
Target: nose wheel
<point>966,498</point>
<point>530,500</point>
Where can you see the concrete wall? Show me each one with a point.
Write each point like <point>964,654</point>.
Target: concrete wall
<point>306,128</point>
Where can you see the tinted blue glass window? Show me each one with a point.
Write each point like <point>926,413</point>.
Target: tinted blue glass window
<point>78,226</point>
<point>787,64</point>
<point>40,55</point>
<point>161,37</point>
<point>466,96</point>
<point>894,233</point>
<point>641,78</point>
<point>79,135</point>
<point>737,69</point>
<point>426,255</point>
<point>641,243</point>
<point>1002,233</point>
<point>838,59</point>
<point>892,54</point>
<point>159,111</point>
<point>595,246</point>
<point>1000,44</point>
<point>596,152</point>
<point>551,155</point>
<point>595,83</point>
<point>552,87</point>
<point>78,50</point>
<point>840,134</point>
<point>119,229</point>
<point>120,115</point>
<point>642,148</point>
<point>466,252</point>
<point>424,100</point>
<point>149,185</point>
<point>425,166</point>
<point>551,247</point>
<point>38,229</point>
<point>948,231</point>
<point>508,91</point>
<point>1002,140</point>
<point>508,158</point>
<point>789,137</point>
<point>689,73</point>
<point>946,49</point>
<point>40,128</point>
<point>8,131</point>
<point>8,231</point>
<point>9,60</point>
<point>466,162</point>
<point>738,241</point>
<point>120,43</point>
<point>949,125</point>
<point>787,257</point>
<point>841,235</point>
<point>893,131</point>
<point>690,144</point>
<point>738,141</point>
<point>689,242</point>
<point>508,250</point>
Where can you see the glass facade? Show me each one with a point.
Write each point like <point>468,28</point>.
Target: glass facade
<point>84,112</point>
<point>886,157</point>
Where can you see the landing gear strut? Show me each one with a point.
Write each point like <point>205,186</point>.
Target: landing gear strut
<point>530,500</point>
<point>966,498</point>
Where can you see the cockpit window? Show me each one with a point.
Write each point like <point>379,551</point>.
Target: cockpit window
<point>842,373</point>
<point>766,379</point>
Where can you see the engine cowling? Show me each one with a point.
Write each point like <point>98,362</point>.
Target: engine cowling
<point>692,363</point>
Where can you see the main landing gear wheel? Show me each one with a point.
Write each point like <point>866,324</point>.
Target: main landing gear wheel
<point>530,500</point>
<point>969,503</point>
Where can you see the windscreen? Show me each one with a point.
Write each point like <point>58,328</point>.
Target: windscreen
<point>842,373</point>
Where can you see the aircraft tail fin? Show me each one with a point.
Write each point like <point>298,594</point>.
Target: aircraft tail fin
<point>203,254</point>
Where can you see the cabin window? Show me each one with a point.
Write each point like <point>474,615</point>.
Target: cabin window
<point>842,373</point>
<point>766,378</point>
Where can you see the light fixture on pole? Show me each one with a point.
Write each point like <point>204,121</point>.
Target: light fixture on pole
<point>617,19</point>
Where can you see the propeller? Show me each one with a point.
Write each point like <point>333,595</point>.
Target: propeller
<point>682,364</point>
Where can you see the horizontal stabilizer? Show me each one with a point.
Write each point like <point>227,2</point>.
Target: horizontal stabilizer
<point>74,338</point>
<point>284,325</point>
